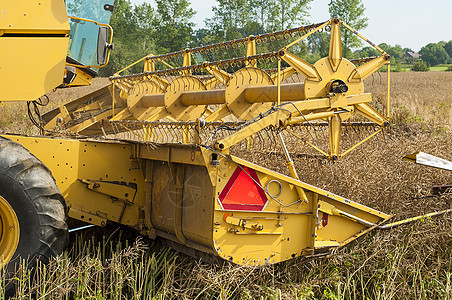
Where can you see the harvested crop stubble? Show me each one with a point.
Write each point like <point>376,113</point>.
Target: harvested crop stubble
<point>408,262</point>
<point>375,174</point>
<point>416,96</point>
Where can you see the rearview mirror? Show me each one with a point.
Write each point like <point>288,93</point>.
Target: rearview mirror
<point>102,45</point>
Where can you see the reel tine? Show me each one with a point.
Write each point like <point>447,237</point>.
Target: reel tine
<point>349,134</point>
<point>377,138</point>
<point>261,139</point>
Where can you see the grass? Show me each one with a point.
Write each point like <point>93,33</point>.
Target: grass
<point>409,262</point>
<point>413,261</point>
<point>407,68</point>
<point>438,68</point>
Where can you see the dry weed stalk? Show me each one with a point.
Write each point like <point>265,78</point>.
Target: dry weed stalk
<point>407,262</point>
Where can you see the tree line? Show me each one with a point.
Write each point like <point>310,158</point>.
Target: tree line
<point>437,53</point>
<point>142,29</point>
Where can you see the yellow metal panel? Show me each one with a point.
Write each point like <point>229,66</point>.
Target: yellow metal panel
<point>71,160</point>
<point>31,66</point>
<point>32,16</point>
<point>368,68</point>
<point>59,155</point>
<point>113,189</point>
<point>186,155</point>
<point>87,217</point>
<point>317,89</point>
<point>193,212</point>
<point>285,229</point>
<point>81,79</point>
<point>303,67</point>
<point>183,205</point>
<point>335,54</point>
<point>287,225</point>
<point>326,244</point>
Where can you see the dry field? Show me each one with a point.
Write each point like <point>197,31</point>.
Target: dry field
<point>413,261</point>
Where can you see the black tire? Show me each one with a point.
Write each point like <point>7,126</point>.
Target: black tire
<point>29,187</point>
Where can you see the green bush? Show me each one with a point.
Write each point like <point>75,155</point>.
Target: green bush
<point>420,66</point>
<point>449,68</point>
<point>397,67</point>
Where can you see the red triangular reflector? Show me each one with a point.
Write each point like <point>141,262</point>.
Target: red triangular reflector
<point>243,191</point>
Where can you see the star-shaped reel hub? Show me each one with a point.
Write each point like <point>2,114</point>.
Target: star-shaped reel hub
<point>338,80</point>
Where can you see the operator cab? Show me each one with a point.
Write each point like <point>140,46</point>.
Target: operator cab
<point>89,39</point>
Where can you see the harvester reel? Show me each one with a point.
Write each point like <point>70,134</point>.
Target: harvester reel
<point>321,89</point>
<point>235,100</point>
<point>247,79</point>
<point>134,103</point>
<point>173,100</point>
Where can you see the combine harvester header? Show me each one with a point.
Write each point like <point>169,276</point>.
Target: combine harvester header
<point>171,163</point>
<point>190,112</point>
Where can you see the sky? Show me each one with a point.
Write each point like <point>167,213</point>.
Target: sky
<point>409,23</point>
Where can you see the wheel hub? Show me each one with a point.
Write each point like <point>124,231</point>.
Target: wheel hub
<point>9,231</point>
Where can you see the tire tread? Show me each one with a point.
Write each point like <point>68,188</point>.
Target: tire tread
<point>38,183</point>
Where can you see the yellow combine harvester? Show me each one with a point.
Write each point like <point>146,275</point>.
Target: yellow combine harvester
<point>159,151</point>
<point>42,46</point>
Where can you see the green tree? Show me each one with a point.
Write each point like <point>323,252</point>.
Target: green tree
<point>352,13</point>
<point>288,13</point>
<point>319,44</point>
<point>384,46</point>
<point>133,35</point>
<point>261,13</point>
<point>202,37</point>
<point>230,19</point>
<point>367,52</point>
<point>173,25</point>
<point>448,48</point>
<point>420,66</point>
<point>434,54</point>
<point>143,18</point>
<point>396,52</point>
